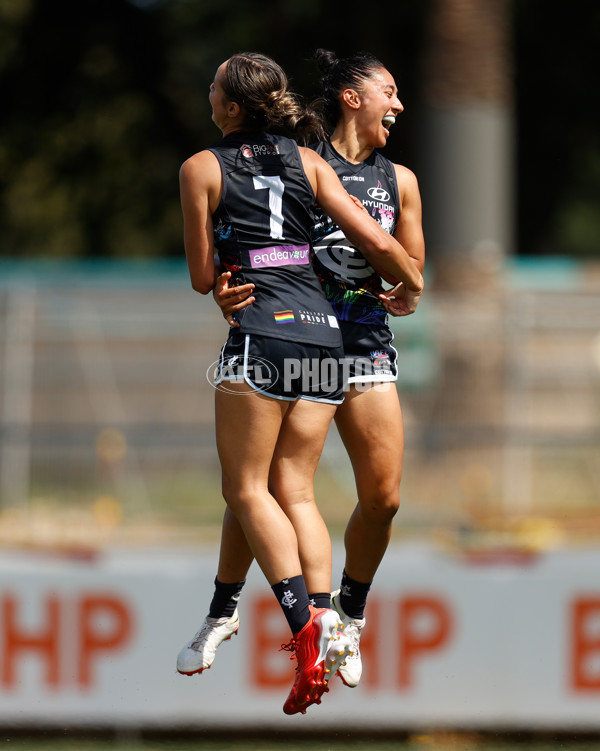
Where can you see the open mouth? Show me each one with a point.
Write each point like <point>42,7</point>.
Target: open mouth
<point>388,121</point>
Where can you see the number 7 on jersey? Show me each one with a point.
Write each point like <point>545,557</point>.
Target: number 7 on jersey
<point>274,184</point>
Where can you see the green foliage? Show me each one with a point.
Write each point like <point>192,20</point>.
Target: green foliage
<point>90,143</point>
<point>102,100</point>
<point>558,108</point>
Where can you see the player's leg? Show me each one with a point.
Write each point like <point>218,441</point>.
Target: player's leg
<point>255,426</point>
<point>251,459</point>
<point>247,428</point>
<point>299,447</point>
<point>370,425</point>
<point>291,481</point>
<point>320,648</point>
<point>235,556</point>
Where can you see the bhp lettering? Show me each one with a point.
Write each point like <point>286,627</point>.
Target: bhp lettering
<point>68,639</point>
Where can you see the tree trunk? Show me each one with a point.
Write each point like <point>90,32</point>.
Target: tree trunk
<point>467,145</point>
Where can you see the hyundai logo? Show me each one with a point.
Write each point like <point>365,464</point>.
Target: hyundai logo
<point>378,194</point>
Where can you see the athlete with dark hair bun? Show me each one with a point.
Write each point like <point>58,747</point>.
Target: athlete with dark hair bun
<point>251,198</point>
<point>360,103</point>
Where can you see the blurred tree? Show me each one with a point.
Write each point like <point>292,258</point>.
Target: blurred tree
<point>102,100</point>
<point>558,103</point>
<point>467,143</point>
<point>88,134</point>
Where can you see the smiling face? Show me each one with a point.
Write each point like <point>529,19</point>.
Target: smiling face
<point>378,107</point>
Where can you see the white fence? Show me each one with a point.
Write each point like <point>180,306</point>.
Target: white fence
<point>450,642</point>
<point>102,383</point>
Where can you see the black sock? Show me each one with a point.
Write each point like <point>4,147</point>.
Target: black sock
<point>320,599</point>
<point>353,597</point>
<point>225,599</point>
<point>293,598</point>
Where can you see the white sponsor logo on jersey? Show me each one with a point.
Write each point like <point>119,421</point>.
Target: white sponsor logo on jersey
<point>344,261</point>
<point>378,194</point>
<point>259,149</point>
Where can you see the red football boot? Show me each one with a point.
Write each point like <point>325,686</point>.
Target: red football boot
<point>320,648</point>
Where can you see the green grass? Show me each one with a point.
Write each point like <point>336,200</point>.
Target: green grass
<point>417,742</point>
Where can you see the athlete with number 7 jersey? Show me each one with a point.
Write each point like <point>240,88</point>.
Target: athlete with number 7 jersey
<point>360,102</point>
<point>266,191</point>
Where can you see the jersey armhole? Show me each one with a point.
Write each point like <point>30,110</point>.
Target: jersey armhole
<point>391,170</point>
<point>223,180</point>
<point>301,166</point>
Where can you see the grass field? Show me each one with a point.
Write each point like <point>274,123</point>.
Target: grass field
<point>423,742</point>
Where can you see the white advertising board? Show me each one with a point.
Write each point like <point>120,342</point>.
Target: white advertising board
<point>448,643</point>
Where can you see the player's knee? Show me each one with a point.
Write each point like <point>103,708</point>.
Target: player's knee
<point>293,500</point>
<point>227,487</point>
<point>236,497</point>
<point>381,507</point>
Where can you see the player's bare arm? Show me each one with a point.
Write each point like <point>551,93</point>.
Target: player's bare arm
<point>200,187</point>
<point>409,233</point>
<point>409,228</point>
<point>383,252</point>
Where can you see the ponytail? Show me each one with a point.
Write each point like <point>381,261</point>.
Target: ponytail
<point>258,84</point>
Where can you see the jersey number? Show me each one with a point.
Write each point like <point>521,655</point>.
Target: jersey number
<point>275,186</point>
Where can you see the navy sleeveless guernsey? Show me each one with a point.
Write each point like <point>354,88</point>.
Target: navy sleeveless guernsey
<point>262,233</point>
<point>350,283</point>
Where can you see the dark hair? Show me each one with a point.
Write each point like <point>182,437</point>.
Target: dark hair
<point>339,74</point>
<point>261,87</point>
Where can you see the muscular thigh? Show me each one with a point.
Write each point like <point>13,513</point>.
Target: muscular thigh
<point>370,425</point>
<point>247,428</point>
<point>298,450</point>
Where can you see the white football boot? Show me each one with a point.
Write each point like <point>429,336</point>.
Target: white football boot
<point>199,653</point>
<point>351,671</point>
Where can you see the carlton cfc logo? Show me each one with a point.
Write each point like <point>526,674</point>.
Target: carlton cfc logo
<point>247,151</point>
<point>378,194</point>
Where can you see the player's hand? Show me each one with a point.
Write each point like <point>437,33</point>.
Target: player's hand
<point>231,299</point>
<point>400,301</point>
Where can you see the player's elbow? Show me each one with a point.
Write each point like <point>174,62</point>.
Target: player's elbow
<point>382,247</point>
<point>203,286</point>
